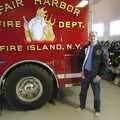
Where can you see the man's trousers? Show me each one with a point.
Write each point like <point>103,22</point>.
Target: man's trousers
<point>95,84</point>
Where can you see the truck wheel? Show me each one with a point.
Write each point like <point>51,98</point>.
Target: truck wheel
<point>28,87</point>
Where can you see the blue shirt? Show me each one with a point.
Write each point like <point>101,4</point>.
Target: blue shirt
<point>88,63</point>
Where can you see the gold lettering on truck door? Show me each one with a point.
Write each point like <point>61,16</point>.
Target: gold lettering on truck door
<point>63,5</point>
<point>37,1</point>
<point>76,12</point>
<point>1,9</point>
<point>55,2</point>
<point>13,4</point>
<point>10,24</point>
<point>46,2</point>
<point>17,24</point>
<point>19,3</point>
<point>7,7</point>
<point>70,8</point>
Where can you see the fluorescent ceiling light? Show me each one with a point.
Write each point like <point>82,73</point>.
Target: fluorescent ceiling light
<point>82,3</point>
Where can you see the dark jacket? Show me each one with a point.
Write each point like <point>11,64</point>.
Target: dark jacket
<point>98,62</point>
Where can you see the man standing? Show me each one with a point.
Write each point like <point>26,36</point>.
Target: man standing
<point>91,70</point>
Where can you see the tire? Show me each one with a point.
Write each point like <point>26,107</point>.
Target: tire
<point>28,87</point>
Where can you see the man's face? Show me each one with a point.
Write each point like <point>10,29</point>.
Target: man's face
<point>92,38</point>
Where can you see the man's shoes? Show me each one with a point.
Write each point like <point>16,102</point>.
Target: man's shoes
<point>82,107</point>
<point>79,109</point>
<point>97,114</point>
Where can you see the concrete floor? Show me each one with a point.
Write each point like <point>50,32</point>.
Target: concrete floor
<point>65,108</point>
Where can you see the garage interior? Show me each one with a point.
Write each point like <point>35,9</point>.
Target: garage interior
<point>105,18</point>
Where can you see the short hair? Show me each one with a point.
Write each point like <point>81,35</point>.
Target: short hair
<point>93,33</point>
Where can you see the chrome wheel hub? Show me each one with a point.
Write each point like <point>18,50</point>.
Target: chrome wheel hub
<point>29,89</point>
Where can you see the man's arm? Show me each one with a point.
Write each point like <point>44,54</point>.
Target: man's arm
<point>81,58</point>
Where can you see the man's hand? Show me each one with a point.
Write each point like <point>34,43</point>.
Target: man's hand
<point>97,78</point>
<point>82,75</point>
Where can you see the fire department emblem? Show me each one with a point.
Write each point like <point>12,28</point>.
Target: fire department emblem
<point>40,27</point>
<point>98,52</point>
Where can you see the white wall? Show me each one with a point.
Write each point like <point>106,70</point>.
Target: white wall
<point>106,11</point>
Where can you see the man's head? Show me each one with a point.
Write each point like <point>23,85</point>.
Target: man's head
<point>93,37</point>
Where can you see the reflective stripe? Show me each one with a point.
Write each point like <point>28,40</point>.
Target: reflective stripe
<point>68,85</point>
<point>69,75</point>
<point>87,53</point>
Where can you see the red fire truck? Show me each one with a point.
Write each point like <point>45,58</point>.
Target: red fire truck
<point>39,48</point>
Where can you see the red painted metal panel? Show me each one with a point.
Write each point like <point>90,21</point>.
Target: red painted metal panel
<point>66,31</point>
